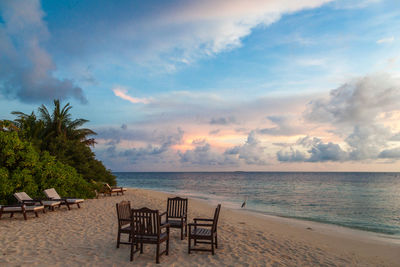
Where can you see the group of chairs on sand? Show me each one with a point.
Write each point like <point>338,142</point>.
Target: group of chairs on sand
<point>147,226</point>
<point>27,204</point>
<point>53,200</point>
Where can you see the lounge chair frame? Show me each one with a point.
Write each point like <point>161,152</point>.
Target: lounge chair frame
<point>52,195</point>
<point>20,208</point>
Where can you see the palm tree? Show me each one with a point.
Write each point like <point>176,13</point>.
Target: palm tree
<point>59,123</point>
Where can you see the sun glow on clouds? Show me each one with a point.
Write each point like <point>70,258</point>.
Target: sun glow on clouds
<point>122,93</point>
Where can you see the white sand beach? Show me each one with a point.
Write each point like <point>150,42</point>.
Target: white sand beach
<point>87,237</point>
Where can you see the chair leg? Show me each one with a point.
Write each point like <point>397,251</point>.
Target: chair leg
<point>182,232</point>
<point>24,213</point>
<point>216,241</point>
<point>141,247</point>
<point>78,205</point>
<point>158,253</point>
<point>185,230</point>
<point>36,214</point>
<point>12,214</point>
<point>189,243</point>
<point>132,245</point>
<point>69,208</point>
<point>212,245</point>
<point>118,238</point>
<point>167,247</point>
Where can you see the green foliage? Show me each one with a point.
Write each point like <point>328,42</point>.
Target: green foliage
<point>82,158</point>
<point>24,169</point>
<point>60,135</point>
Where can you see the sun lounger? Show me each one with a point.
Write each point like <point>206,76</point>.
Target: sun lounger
<point>21,208</point>
<point>68,201</point>
<point>23,198</point>
<point>113,190</point>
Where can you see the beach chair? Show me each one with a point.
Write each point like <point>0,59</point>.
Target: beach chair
<point>23,198</point>
<point>124,215</point>
<point>146,228</point>
<point>52,195</point>
<point>113,190</point>
<point>204,230</point>
<point>21,208</point>
<point>177,213</point>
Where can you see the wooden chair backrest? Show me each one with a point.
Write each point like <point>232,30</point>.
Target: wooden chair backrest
<point>146,222</point>
<point>51,193</point>
<point>108,187</point>
<point>21,196</point>
<point>176,207</point>
<point>216,216</point>
<point>124,213</point>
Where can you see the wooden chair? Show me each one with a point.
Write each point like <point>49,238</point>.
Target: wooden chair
<point>124,215</point>
<point>108,190</point>
<point>204,230</point>
<point>146,228</point>
<point>24,198</point>
<point>177,213</point>
<point>52,195</point>
<point>21,208</point>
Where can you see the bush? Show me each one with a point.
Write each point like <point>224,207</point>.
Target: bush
<point>23,169</point>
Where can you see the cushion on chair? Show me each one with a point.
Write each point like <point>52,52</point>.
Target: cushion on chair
<point>51,203</point>
<point>34,208</point>
<point>74,200</point>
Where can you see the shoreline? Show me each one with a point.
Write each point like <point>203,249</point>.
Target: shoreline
<point>325,226</point>
<point>87,237</point>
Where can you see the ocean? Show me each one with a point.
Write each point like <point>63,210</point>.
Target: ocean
<point>360,200</point>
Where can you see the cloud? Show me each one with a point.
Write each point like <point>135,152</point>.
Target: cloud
<point>393,153</point>
<point>122,93</point>
<point>359,101</point>
<point>222,121</point>
<point>251,152</point>
<point>355,111</point>
<point>26,68</point>
<point>387,40</point>
<point>317,151</point>
<point>285,125</point>
<point>203,155</point>
<point>158,144</point>
<point>171,32</point>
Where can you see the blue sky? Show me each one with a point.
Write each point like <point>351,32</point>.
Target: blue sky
<point>214,85</point>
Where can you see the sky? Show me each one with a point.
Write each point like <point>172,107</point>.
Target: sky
<point>214,85</point>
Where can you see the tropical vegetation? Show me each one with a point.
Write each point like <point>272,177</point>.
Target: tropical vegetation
<point>46,150</point>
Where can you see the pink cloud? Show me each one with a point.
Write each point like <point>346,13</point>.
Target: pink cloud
<point>122,93</point>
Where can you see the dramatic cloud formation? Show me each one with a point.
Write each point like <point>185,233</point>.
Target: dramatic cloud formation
<point>357,111</point>
<point>171,32</point>
<point>26,68</point>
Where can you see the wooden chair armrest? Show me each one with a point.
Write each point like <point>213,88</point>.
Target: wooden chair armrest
<point>203,219</point>
<point>162,214</point>
<point>165,225</point>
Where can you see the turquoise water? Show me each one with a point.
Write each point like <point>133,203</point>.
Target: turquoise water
<point>366,201</point>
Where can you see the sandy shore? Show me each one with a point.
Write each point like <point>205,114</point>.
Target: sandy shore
<point>87,237</point>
